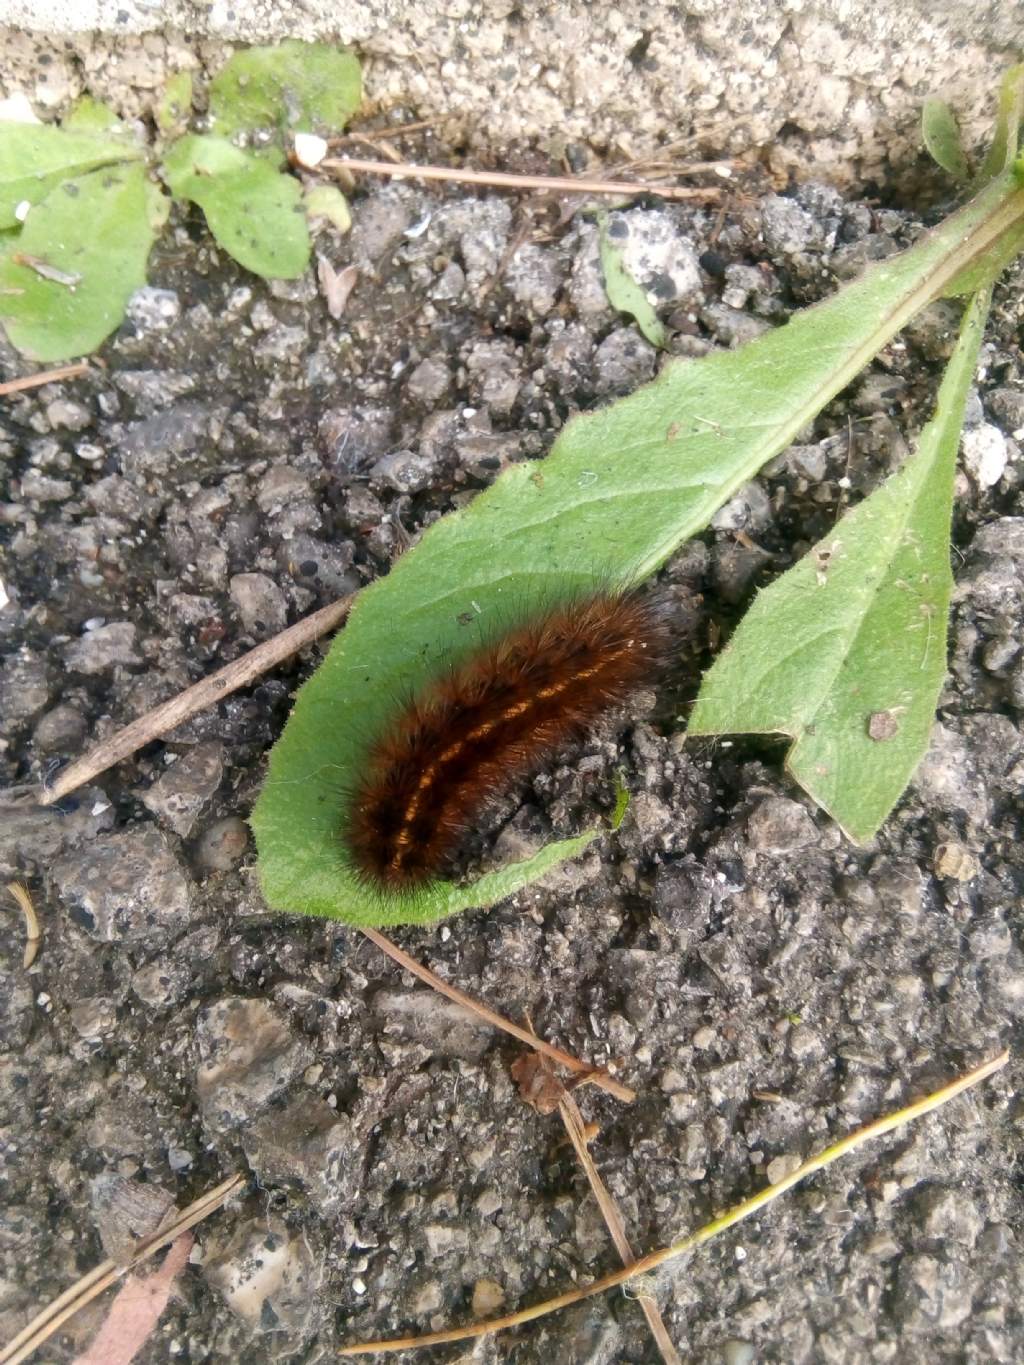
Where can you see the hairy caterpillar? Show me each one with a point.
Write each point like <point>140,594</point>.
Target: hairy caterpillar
<point>490,722</point>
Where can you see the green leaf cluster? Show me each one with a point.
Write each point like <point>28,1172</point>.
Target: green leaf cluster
<point>81,204</point>
<point>846,653</point>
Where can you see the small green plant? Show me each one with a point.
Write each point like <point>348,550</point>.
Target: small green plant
<point>81,204</point>
<point>624,293</point>
<point>846,652</point>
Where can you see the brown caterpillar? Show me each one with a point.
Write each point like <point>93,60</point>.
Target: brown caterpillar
<point>492,721</point>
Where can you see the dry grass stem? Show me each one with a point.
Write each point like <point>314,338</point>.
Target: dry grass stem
<point>34,381</point>
<point>550,184</point>
<point>379,134</point>
<point>90,1286</point>
<point>33,932</point>
<point>587,1073</point>
<point>670,166</point>
<point>576,1128</point>
<point>136,1309</point>
<point>195,699</point>
<point>380,146</point>
<point>718,1225</point>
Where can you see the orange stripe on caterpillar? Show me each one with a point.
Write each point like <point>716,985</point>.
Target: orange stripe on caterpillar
<point>492,721</point>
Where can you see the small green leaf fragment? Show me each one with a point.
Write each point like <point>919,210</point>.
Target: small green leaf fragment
<point>293,86</point>
<point>174,107</point>
<point>623,291</point>
<point>90,116</point>
<point>327,201</point>
<point>36,156</point>
<point>253,211</point>
<point>846,652</point>
<point>941,135</point>
<point>621,802</point>
<point>66,278</point>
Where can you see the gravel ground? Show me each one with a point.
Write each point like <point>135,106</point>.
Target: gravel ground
<point>241,459</point>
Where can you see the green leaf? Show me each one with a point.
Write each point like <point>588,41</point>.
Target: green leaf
<point>327,201</point>
<point>1002,152</point>
<point>942,137</point>
<point>308,87</point>
<point>846,652</point>
<point>36,156</point>
<point>989,265</point>
<point>1001,158</point>
<point>621,490</point>
<point>196,158</point>
<point>623,291</point>
<point>174,108</point>
<point>90,116</point>
<point>621,802</point>
<point>95,233</point>
<point>253,211</point>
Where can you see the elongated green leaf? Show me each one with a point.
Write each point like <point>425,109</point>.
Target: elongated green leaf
<point>65,279</point>
<point>942,137</point>
<point>624,293</point>
<point>293,86</point>
<point>621,489</point>
<point>989,264</point>
<point>36,156</point>
<point>253,211</point>
<point>1002,152</point>
<point>1002,158</point>
<point>846,652</point>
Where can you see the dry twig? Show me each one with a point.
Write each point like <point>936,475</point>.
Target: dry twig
<point>137,1308</point>
<point>587,1073</point>
<point>551,184</point>
<point>101,1277</point>
<point>576,1128</point>
<point>376,134</point>
<point>195,699</point>
<point>34,381</point>
<point>736,1214</point>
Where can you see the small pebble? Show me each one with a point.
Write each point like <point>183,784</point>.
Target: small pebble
<point>984,454</point>
<point>778,825</point>
<point>261,603</point>
<point>222,846</point>
<point>103,648</point>
<point>956,863</point>
<point>488,1297</point>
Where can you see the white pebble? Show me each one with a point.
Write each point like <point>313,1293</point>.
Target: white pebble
<point>310,150</point>
<point>985,454</point>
